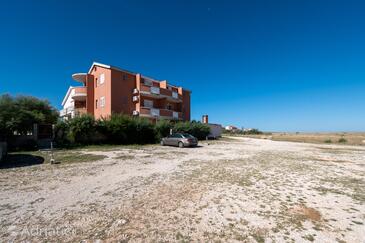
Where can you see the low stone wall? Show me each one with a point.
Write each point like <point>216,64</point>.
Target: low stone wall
<point>3,150</point>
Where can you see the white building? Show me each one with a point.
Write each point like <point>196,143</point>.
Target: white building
<point>74,102</point>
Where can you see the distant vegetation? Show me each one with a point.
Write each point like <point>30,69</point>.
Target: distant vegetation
<point>253,131</point>
<point>342,140</point>
<point>328,138</point>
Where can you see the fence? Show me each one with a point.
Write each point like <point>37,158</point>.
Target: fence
<point>3,150</point>
<point>39,137</point>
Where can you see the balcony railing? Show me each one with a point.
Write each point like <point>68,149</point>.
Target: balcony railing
<point>72,111</point>
<point>160,92</point>
<point>160,113</point>
<point>79,93</point>
<point>80,111</point>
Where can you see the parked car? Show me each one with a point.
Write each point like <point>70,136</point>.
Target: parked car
<point>180,139</point>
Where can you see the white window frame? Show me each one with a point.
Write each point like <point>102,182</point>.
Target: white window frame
<point>102,101</point>
<point>101,78</point>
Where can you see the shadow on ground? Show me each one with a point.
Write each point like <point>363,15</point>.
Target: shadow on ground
<point>20,160</point>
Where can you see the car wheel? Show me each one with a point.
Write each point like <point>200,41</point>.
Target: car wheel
<point>162,143</point>
<point>181,145</point>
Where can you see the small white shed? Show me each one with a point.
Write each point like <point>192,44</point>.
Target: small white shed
<point>215,130</point>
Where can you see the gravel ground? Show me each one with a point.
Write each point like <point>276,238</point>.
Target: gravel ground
<point>233,190</point>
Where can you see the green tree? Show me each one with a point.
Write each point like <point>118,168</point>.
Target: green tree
<point>197,129</point>
<point>21,112</point>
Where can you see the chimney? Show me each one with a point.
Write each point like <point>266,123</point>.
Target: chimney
<point>205,119</point>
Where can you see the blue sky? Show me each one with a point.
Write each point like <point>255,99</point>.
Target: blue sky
<point>275,65</point>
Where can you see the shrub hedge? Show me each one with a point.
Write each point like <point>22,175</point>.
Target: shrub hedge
<point>121,129</point>
<point>197,129</point>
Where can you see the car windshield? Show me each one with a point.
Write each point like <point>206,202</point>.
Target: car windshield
<point>186,135</point>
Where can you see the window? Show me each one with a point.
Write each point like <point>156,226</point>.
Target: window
<point>147,82</point>
<point>169,106</point>
<point>102,101</point>
<point>148,103</point>
<point>155,90</point>
<point>175,115</point>
<point>186,135</point>
<point>96,82</point>
<point>124,77</point>
<point>96,104</point>
<point>174,95</point>
<point>102,78</point>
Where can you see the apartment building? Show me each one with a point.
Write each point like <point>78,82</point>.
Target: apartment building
<point>106,89</point>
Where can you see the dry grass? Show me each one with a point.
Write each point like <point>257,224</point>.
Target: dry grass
<point>307,213</point>
<point>329,138</point>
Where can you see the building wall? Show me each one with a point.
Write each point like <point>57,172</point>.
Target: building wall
<point>117,91</point>
<point>102,90</point>
<point>186,105</point>
<point>122,86</point>
<point>90,101</point>
<point>69,102</point>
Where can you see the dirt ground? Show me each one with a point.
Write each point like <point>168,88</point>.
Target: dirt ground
<point>233,190</point>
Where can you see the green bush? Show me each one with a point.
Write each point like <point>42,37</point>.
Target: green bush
<point>328,141</point>
<point>253,131</point>
<point>162,129</point>
<point>82,130</point>
<point>342,140</point>
<point>144,131</point>
<point>197,129</point>
<point>116,128</point>
<point>121,129</point>
<point>61,134</point>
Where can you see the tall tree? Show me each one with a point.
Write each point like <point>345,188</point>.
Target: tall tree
<point>21,112</point>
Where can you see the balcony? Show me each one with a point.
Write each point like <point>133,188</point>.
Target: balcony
<point>160,113</point>
<point>160,93</point>
<point>79,93</point>
<point>80,77</point>
<point>72,112</point>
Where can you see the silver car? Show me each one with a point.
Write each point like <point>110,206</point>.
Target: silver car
<point>180,139</point>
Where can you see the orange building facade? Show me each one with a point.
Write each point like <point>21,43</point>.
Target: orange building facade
<point>106,90</point>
